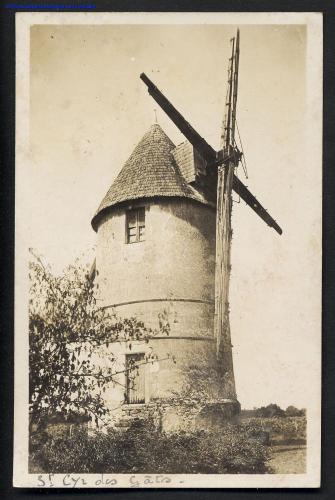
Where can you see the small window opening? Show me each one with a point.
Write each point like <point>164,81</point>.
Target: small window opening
<point>135,378</point>
<point>135,225</point>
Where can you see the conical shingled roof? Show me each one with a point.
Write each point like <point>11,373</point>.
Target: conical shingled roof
<point>149,172</point>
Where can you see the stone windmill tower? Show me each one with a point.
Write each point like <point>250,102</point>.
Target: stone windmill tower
<point>156,254</point>
<point>164,240</point>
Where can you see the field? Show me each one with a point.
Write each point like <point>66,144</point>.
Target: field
<point>288,459</point>
<point>287,441</point>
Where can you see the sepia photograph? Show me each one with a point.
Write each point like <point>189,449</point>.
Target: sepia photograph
<point>168,250</point>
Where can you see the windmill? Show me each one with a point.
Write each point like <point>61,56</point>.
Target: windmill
<point>221,166</point>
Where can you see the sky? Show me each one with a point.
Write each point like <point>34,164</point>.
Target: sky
<point>89,109</point>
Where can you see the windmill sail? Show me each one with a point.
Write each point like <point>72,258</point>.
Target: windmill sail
<point>224,231</point>
<point>220,166</point>
<point>206,151</point>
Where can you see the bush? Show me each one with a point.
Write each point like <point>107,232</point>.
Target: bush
<point>232,450</point>
<point>270,411</point>
<point>273,410</point>
<point>292,411</point>
<point>280,429</point>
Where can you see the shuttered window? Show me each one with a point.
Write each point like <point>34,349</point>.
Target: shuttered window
<point>135,378</point>
<point>135,225</point>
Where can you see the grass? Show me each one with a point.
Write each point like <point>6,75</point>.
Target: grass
<point>288,459</point>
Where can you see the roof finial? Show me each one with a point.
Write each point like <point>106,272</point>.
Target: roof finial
<point>155,111</point>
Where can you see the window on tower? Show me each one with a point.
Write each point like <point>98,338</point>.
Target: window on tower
<point>135,378</point>
<point>135,225</point>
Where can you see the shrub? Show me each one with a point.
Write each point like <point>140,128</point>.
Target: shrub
<point>292,411</point>
<point>269,411</point>
<point>145,450</point>
<point>284,429</point>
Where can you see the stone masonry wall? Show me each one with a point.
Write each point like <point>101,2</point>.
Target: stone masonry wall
<point>171,272</point>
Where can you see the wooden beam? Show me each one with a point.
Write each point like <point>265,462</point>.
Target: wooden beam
<point>223,240</point>
<point>206,151</point>
<point>253,203</point>
<point>222,278</point>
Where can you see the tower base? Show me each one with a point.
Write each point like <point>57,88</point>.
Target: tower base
<point>214,415</point>
<point>171,418</point>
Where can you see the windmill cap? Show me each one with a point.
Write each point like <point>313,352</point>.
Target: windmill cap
<point>150,172</point>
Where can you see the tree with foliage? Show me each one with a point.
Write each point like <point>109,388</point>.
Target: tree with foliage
<point>68,335</point>
<point>292,411</point>
<point>269,411</point>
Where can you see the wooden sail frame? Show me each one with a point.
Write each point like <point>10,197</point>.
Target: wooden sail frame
<point>225,162</point>
<point>212,157</point>
<point>223,227</point>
